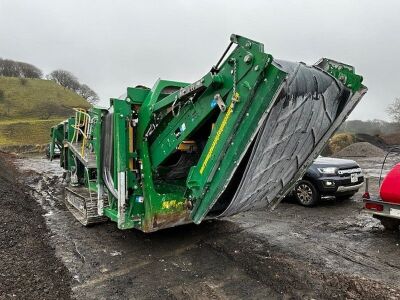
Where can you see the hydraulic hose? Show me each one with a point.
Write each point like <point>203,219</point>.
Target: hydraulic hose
<point>107,147</point>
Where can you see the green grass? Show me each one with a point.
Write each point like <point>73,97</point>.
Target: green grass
<point>36,99</point>
<point>26,132</point>
<point>29,109</point>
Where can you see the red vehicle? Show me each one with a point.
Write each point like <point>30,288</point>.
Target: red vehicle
<point>386,206</point>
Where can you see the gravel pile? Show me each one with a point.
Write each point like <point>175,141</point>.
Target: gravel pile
<point>362,149</point>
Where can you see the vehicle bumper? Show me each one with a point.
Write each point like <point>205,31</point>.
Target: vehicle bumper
<point>338,185</point>
<point>349,188</point>
<point>390,210</point>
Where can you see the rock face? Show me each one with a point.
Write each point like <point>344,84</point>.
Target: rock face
<point>362,149</point>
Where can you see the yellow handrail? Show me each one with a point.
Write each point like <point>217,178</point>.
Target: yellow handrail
<point>82,119</point>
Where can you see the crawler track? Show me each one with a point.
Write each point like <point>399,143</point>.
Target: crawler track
<point>83,205</point>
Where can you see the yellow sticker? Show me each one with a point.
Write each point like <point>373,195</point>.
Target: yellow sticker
<point>217,137</point>
<point>172,204</point>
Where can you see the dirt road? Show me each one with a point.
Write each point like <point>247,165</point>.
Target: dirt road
<point>331,251</point>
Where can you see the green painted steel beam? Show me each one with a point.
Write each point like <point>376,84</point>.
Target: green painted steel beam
<point>232,135</point>
<point>343,72</point>
<point>179,128</point>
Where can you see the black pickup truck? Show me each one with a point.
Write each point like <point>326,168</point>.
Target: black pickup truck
<point>329,178</point>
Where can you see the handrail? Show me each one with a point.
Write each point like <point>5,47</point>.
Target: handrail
<point>82,119</point>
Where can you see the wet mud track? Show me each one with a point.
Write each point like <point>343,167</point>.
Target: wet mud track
<point>29,268</point>
<point>331,251</point>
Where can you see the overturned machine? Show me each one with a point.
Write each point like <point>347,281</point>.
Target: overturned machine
<point>235,140</point>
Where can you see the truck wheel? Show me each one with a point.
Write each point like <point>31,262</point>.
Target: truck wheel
<point>306,193</point>
<point>389,223</point>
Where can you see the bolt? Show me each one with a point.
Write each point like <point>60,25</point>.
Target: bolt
<point>247,59</point>
<point>256,68</point>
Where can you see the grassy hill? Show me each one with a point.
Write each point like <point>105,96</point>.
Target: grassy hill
<point>29,107</point>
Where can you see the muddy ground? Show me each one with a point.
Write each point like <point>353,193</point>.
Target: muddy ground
<point>331,251</point>
<point>29,268</point>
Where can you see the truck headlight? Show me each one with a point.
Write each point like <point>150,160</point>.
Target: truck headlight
<point>328,171</point>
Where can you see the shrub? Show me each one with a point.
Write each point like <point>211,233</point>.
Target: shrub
<point>340,141</point>
<point>2,96</point>
<point>23,81</point>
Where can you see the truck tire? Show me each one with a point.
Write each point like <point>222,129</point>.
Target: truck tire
<point>390,224</point>
<point>306,193</point>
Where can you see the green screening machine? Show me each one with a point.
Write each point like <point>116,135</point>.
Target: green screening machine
<point>235,140</point>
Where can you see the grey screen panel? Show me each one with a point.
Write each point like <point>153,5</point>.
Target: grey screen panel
<point>301,118</point>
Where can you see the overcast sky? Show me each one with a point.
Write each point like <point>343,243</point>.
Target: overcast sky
<point>110,45</point>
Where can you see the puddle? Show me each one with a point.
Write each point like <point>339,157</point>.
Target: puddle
<point>44,178</point>
<point>40,165</point>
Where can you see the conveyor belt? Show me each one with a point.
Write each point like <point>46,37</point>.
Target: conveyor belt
<point>310,108</point>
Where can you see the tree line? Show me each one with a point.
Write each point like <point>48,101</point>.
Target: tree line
<point>19,69</point>
<point>371,127</point>
<point>66,79</point>
<point>70,81</point>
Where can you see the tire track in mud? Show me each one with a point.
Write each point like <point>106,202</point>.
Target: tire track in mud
<point>293,275</point>
<point>362,259</point>
<point>318,243</point>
